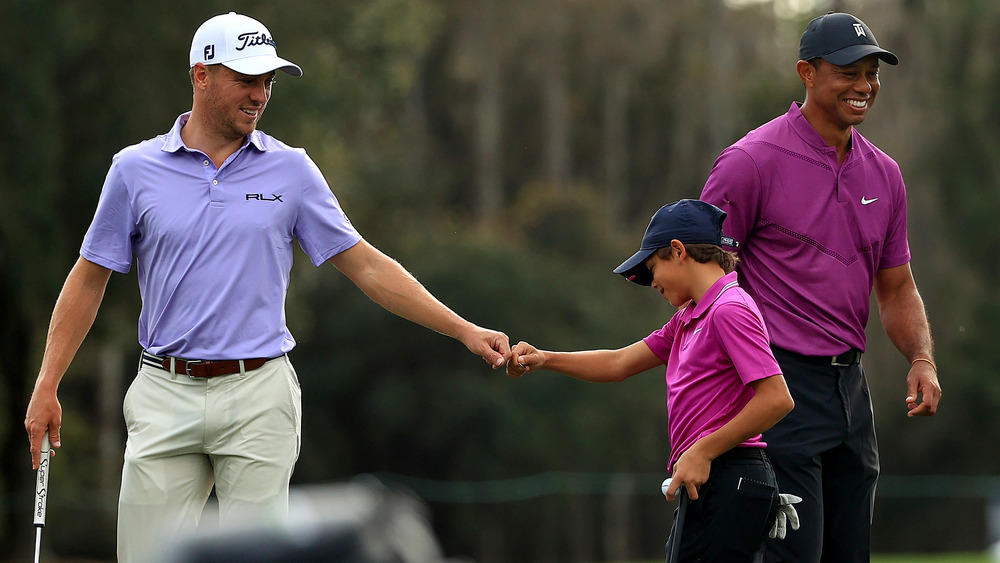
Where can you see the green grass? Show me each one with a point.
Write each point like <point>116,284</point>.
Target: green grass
<point>934,558</point>
<point>913,558</point>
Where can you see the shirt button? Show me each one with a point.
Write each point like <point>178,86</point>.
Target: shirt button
<point>206,162</point>
<point>215,182</point>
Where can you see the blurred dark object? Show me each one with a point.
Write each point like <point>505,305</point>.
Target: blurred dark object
<point>362,521</point>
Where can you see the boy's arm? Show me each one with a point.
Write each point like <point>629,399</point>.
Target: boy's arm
<point>771,402</point>
<point>598,366</point>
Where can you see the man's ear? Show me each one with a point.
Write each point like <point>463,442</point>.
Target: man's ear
<point>806,71</point>
<point>199,75</point>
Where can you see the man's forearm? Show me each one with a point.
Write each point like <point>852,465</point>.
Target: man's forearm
<point>905,322</point>
<point>73,315</point>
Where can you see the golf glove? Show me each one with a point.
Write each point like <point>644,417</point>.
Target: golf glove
<point>787,516</point>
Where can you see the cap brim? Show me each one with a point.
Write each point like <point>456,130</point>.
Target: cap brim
<point>848,55</point>
<point>255,66</point>
<point>634,269</point>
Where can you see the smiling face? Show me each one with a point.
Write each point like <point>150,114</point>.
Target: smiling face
<point>234,102</point>
<point>839,96</point>
<point>668,277</point>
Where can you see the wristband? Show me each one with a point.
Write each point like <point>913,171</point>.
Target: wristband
<point>933,365</point>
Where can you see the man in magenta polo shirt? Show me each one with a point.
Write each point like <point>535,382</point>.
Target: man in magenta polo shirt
<point>724,386</point>
<point>819,214</point>
<point>210,212</point>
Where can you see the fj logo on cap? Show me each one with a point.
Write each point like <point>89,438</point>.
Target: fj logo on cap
<point>859,30</point>
<point>209,52</point>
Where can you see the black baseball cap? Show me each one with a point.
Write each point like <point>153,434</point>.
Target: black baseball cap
<point>690,221</point>
<point>840,39</point>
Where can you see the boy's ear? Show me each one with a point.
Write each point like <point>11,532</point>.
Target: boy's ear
<point>677,248</point>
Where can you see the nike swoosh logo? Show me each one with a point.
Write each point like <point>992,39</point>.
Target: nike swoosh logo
<point>866,201</point>
<point>696,331</point>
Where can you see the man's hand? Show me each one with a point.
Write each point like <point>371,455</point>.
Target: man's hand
<point>923,380</point>
<point>492,346</point>
<point>44,414</point>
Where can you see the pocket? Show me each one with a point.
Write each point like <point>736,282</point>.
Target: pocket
<point>128,411</point>
<point>295,402</point>
<point>741,525</point>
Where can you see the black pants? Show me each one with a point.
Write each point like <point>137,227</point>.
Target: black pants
<point>734,511</point>
<point>825,452</point>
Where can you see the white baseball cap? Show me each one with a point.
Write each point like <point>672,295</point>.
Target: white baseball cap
<point>240,43</point>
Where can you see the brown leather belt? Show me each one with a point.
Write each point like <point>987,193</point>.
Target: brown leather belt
<point>203,368</point>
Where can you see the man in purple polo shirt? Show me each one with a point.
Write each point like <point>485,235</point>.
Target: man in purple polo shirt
<point>819,214</point>
<point>724,386</point>
<point>210,211</point>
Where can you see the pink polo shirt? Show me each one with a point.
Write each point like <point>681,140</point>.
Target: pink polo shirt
<point>813,232</point>
<point>713,349</point>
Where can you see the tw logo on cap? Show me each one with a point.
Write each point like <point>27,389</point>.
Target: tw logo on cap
<point>860,30</point>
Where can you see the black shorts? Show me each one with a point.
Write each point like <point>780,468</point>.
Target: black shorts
<point>734,512</point>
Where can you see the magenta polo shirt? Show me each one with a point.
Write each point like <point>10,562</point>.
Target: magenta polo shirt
<point>214,246</point>
<point>812,232</point>
<point>713,350</point>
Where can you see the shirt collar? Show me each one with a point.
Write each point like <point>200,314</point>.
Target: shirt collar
<point>711,296</point>
<point>172,141</point>
<point>805,130</point>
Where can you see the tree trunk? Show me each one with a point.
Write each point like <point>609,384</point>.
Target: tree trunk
<point>556,98</point>
<point>489,121</point>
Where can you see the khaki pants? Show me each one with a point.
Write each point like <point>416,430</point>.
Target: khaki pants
<point>240,433</point>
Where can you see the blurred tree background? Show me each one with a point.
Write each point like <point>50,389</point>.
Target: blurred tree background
<point>509,153</point>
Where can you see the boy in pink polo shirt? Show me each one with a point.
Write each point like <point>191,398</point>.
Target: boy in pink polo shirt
<point>724,386</point>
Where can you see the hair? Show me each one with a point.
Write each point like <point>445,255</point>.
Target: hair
<point>210,68</point>
<point>704,253</point>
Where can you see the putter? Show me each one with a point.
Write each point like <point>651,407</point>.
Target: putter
<point>41,492</point>
<point>678,531</point>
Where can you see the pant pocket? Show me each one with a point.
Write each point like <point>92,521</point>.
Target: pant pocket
<point>741,525</point>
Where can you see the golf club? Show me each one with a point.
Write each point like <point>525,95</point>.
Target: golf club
<point>41,492</point>
<point>678,530</point>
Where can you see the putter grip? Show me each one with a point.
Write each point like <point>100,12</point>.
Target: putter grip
<point>42,481</point>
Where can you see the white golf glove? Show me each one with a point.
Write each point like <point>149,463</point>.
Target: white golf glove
<point>787,516</point>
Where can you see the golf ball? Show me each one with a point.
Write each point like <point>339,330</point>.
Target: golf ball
<point>665,485</point>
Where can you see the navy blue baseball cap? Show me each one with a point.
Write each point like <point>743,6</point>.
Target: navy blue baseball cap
<point>690,221</point>
<point>840,39</point>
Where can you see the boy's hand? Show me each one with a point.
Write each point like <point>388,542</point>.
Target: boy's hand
<point>691,470</point>
<point>524,358</point>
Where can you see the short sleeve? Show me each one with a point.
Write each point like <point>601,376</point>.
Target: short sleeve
<point>108,241</point>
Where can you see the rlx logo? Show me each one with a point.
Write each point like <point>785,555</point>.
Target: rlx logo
<point>262,197</point>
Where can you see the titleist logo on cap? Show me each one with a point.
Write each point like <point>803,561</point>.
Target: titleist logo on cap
<point>252,39</point>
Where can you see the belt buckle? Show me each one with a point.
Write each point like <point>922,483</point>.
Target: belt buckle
<point>187,367</point>
<point>849,356</point>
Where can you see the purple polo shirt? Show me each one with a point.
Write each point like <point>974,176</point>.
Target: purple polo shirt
<point>214,246</point>
<point>713,350</point>
<point>812,232</point>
